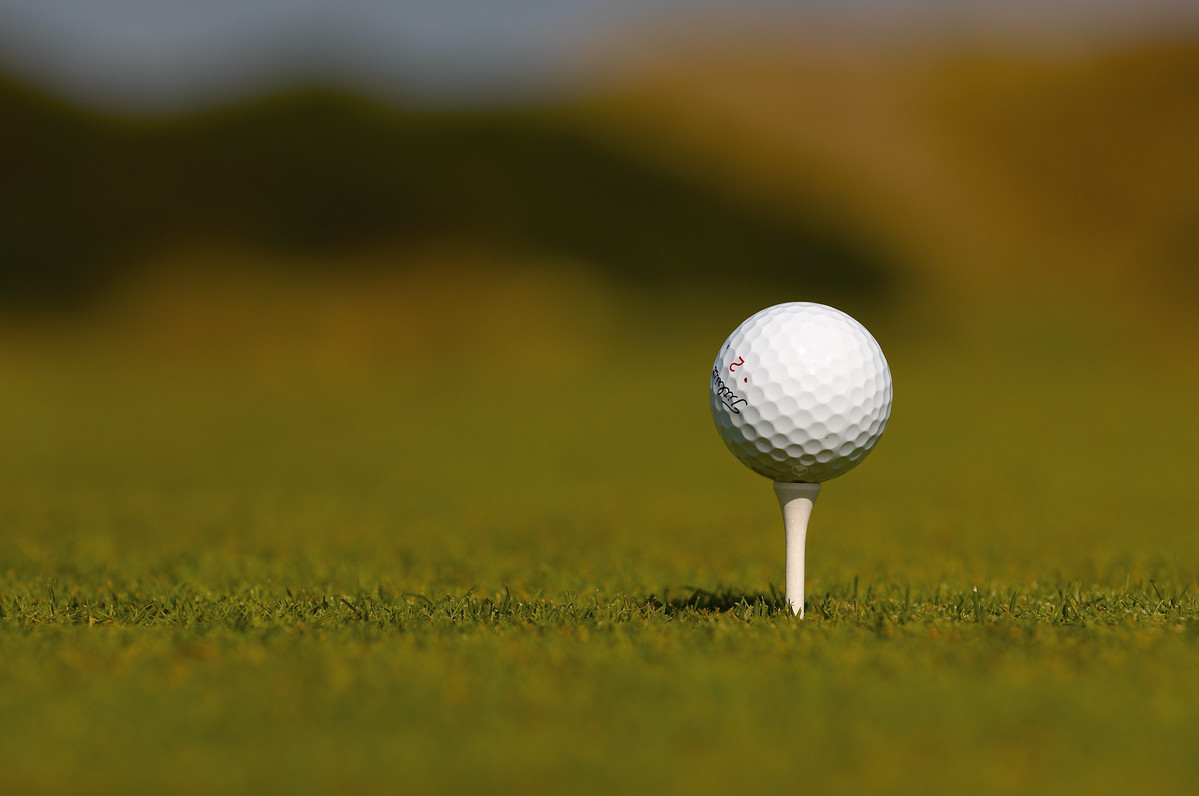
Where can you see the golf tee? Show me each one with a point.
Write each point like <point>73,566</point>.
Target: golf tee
<point>796,502</point>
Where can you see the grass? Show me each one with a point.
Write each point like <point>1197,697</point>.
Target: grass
<point>266,688</point>
<point>307,537</point>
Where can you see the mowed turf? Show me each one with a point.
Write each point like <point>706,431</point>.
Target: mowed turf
<point>300,538</point>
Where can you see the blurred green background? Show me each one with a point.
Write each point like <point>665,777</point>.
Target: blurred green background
<point>314,340</point>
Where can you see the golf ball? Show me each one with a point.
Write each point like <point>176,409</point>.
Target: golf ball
<point>800,392</point>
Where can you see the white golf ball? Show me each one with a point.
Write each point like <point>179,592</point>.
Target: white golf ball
<point>801,392</point>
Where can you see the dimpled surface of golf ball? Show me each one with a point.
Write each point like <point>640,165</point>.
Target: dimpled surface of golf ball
<point>801,392</point>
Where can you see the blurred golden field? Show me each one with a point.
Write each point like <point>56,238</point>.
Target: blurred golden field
<point>1018,168</point>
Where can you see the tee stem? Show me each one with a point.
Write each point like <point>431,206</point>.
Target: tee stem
<point>796,501</point>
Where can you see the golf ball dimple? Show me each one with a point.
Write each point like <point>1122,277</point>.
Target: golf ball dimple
<point>801,392</point>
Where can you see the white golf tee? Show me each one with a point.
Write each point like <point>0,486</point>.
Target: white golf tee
<point>796,501</point>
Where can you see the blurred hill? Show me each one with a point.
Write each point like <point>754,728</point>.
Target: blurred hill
<point>88,197</point>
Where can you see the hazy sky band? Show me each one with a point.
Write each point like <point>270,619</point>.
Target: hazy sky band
<point>175,53</point>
